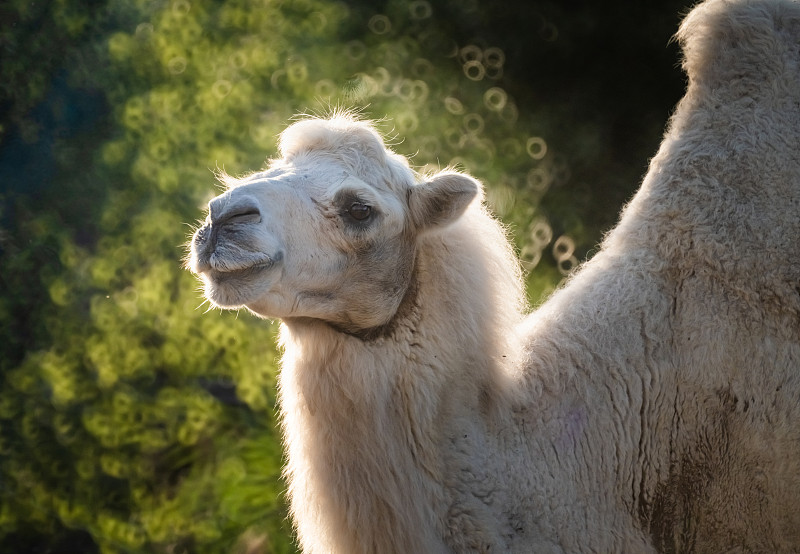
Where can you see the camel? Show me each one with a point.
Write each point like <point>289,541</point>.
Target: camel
<point>650,405</point>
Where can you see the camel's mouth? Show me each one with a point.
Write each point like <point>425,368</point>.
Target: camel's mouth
<point>224,259</point>
<point>237,287</point>
<point>233,276</point>
<point>222,276</point>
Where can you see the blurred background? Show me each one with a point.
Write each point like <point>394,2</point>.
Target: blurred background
<point>131,420</point>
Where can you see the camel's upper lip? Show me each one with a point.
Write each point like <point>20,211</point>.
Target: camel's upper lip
<point>220,259</point>
<point>242,273</point>
<point>220,273</point>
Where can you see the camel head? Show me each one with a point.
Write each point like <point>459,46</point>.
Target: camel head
<point>329,231</point>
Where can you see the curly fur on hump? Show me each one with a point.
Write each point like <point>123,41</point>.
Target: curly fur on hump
<point>652,403</point>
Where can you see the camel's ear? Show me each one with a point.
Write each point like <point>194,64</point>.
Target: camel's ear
<point>441,200</point>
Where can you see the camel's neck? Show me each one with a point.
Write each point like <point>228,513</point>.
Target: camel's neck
<point>364,419</point>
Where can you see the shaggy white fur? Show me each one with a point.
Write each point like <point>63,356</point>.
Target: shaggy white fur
<point>650,405</point>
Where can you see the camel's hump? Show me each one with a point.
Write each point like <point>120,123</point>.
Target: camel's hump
<point>725,41</point>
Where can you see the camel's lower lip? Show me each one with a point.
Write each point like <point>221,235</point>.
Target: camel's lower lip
<point>232,289</point>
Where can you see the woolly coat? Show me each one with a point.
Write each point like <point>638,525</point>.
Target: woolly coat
<point>650,405</point>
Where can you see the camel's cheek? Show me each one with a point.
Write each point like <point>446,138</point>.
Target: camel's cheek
<point>377,282</point>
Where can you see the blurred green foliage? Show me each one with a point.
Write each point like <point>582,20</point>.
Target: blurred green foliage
<point>130,419</point>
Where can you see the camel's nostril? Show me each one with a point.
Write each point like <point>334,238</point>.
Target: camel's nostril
<point>246,215</point>
<point>241,214</point>
<point>242,209</point>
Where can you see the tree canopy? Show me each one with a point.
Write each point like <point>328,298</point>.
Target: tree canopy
<point>130,419</point>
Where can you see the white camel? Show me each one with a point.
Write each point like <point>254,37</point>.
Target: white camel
<point>652,404</point>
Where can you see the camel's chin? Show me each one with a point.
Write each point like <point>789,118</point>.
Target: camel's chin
<point>234,289</point>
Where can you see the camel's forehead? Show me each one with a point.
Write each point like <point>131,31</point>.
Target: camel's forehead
<point>318,178</point>
<point>329,172</point>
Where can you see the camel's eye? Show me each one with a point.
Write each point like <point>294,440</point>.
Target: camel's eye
<point>359,211</point>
